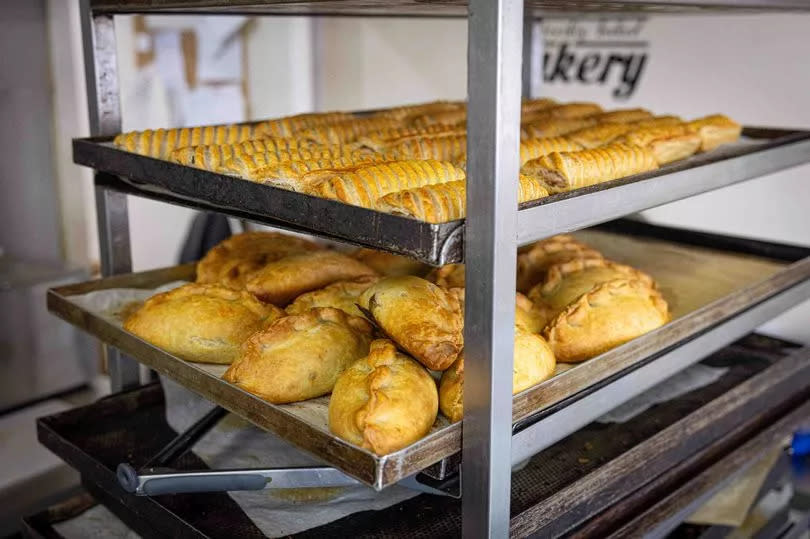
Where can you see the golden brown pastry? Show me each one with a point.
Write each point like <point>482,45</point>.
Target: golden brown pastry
<point>442,147</point>
<point>214,157</point>
<point>565,171</point>
<point>610,314</point>
<point>160,143</point>
<point>533,106</point>
<point>301,356</point>
<point>364,185</point>
<point>290,125</point>
<point>715,130</point>
<point>285,279</point>
<point>534,260</point>
<point>389,264</point>
<point>206,323</point>
<point>422,318</point>
<point>231,261</point>
<point>533,363</point>
<point>599,134</point>
<point>447,201</point>
<point>658,121</point>
<point>623,116</point>
<point>260,167</point>
<point>565,282</point>
<point>537,147</point>
<point>345,131</point>
<point>378,140</point>
<point>446,117</point>
<point>298,175</point>
<point>553,127</point>
<point>383,402</point>
<point>573,110</point>
<point>343,295</point>
<point>406,112</point>
<point>667,144</point>
<point>527,315</point>
<point>447,276</point>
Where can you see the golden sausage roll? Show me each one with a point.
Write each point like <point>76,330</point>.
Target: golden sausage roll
<point>383,402</point>
<point>623,116</point>
<point>342,295</point>
<point>285,279</point>
<point>206,323</point>
<point>301,356</point>
<point>667,144</point>
<point>446,118</point>
<point>298,175</point>
<point>608,315</point>
<point>533,363</point>
<point>599,134</point>
<point>573,110</point>
<point>215,157</point>
<point>290,125</point>
<point>443,147</point>
<point>658,121</point>
<point>424,319</point>
<point>553,127</point>
<point>389,264</point>
<point>234,259</point>
<point>344,132</point>
<point>447,201</point>
<point>565,171</point>
<point>534,260</point>
<point>160,143</point>
<point>378,140</point>
<point>410,111</point>
<point>364,185</point>
<point>532,106</point>
<point>538,147</point>
<point>715,130</point>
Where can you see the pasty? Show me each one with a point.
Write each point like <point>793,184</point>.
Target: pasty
<point>424,319</point>
<point>442,147</point>
<point>610,314</point>
<point>389,264</point>
<point>160,143</point>
<point>553,127</point>
<point>667,144</point>
<point>534,260</point>
<point>566,171</point>
<point>623,116</point>
<point>534,148</point>
<point>599,134</point>
<point>446,201</point>
<point>364,185</point>
<point>447,276</point>
<point>234,259</point>
<point>715,130</point>
<point>527,316</point>
<point>565,282</point>
<point>301,356</point>
<point>343,295</point>
<point>383,402</point>
<point>285,279</point>
<point>533,363</point>
<point>206,323</point>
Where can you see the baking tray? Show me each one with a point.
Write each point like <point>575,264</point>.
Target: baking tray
<point>703,286</point>
<point>673,441</point>
<point>759,152</point>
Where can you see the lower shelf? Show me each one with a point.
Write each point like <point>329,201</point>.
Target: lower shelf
<point>598,480</point>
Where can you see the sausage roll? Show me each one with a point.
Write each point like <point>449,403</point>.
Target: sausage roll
<point>715,130</point>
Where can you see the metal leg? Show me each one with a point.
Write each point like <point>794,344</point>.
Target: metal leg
<point>493,84</point>
<point>104,107</point>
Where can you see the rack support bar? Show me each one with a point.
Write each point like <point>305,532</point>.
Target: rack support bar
<point>494,86</point>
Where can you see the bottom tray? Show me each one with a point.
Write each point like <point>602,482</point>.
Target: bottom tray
<point>609,462</point>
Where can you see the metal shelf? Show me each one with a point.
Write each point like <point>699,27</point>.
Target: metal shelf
<point>762,151</point>
<point>541,415</point>
<point>438,8</point>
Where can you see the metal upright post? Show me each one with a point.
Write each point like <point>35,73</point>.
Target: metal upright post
<point>104,107</point>
<point>493,85</point>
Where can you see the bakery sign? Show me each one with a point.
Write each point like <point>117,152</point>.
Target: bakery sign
<point>608,53</point>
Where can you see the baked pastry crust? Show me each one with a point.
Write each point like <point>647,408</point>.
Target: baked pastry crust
<point>533,363</point>
<point>345,131</point>
<point>364,185</point>
<point>160,143</point>
<point>553,127</point>
<point>301,356</point>
<point>658,121</point>
<point>299,175</point>
<point>449,146</point>
<point>447,201</point>
<point>446,117</point>
<point>599,134</point>
<point>389,264</point>
<point>283,280</point>
<point>623,116</point>
<point>565,171</point>
<point>534,261</point>
<point>667,143</point>
<point>343,295</point>
<point>206,323</point>
<point>406,112</point>
<point>534,106</point>
<point>378,140</point>
<point>234,259</point>
<point>290,125</point>
<point>715,130</point>
<point>424,319</point>
<point>383,402</point>
<point>447,276</point>
<point>611,314</point>
<point>538,147</point>
<point>566,282</point>
<point>527,315</point>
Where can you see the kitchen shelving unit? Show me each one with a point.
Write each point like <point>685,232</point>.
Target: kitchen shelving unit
<point>486,240</point>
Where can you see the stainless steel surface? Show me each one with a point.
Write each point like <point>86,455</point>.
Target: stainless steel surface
<point>494,53</point>
<point>104,108</point>
<point>721,320</point>
<point>564,421</point>
<point>439,8</point>
<point>699,174</point>
<point>762,152</point>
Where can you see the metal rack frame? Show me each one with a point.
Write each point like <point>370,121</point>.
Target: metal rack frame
<point>496,48</point>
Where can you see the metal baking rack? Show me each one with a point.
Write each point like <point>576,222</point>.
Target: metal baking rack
<point>493,228</point>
